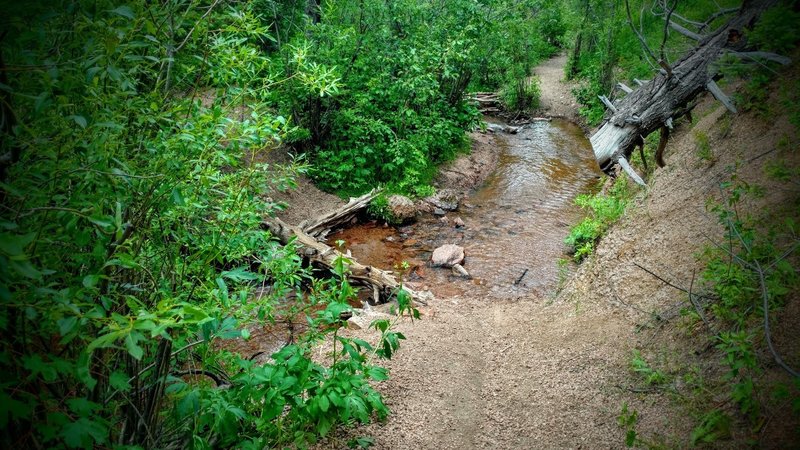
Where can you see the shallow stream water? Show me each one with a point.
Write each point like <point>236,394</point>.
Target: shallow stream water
<point>515,223</point>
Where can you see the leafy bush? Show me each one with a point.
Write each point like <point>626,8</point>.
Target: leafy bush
<point>132,244</point>
<point>521,95</point>
<point>750,277</point>
<point>404,70</point>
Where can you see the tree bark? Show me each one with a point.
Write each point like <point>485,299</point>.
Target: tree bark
<point>650,106</point>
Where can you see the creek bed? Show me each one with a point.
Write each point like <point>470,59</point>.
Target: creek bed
<point>515,222</point>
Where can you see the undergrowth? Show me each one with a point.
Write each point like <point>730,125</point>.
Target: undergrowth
<point>604,210</point>
<point>748,279</point>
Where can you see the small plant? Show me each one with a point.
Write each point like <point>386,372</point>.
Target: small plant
<point>521,95</point>
<point>563,274</point>
<point>714,425</point>
<point>603,211</point>
<point>652,377</point>
<point>628,419</point>
<point>379,208</point>
<point>703,146</point>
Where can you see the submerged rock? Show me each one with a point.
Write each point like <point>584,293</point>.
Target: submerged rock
<point>448,255</point>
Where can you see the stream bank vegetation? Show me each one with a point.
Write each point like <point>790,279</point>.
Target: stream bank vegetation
<point>732,308</point>
<point>137,174</point>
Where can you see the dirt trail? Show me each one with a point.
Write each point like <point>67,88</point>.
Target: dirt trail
<point>556,94</point>
<point>528,373</point>
<point>546,371</point>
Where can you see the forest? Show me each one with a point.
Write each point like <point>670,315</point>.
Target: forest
<point>149,148</point>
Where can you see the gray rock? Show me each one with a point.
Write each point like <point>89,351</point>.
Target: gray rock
<point>439,211</point>
<point>402,208</point>
<point>448,255</point>
<point>363,318</point>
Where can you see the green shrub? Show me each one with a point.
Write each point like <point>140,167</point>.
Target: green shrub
<point>133,259</point>
<point>521,95</point>
<point>604,210</point>
<point>642,368</point>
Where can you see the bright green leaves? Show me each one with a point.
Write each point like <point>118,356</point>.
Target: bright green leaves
<point>604,210</point>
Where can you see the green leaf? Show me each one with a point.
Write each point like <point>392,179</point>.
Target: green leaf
<point>240,274</point>
<point>66,325</point>
<point>12,409</point>
<point>80,120</point>
<point>119,381</point>
<point>82,370</point>
<point>25,268</point>
<point>378,373</point>
<point>324,403</point>
<point>82,406</point>
<point>90,281</point>
<point>177,197</point>
<point>223,291</point>
<point>124,11</point>
<point>106,340</point>
<point>133,347</point>
<point>78,433</point>
<point>324,426</point>
<point>14,244</point>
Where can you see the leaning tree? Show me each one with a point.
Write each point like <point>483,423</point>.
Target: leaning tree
<point>654,104</point>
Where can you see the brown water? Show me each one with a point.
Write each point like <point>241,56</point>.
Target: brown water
<point>515,222</point>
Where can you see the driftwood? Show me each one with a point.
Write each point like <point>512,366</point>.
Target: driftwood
<point>320,226</point>
<point>656,102</point>
<point>382,283</point>
<point>488,102</point>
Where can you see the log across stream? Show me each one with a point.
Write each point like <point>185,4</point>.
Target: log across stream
<point>514,224</point>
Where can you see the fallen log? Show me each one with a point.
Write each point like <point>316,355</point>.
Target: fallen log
<point>320,226</point>
<point>383,284</point>
<point>653,103</point>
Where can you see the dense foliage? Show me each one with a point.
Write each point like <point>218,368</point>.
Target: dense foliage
<point>132,250</point>
<point>136,174</point>
<point>403,69</point>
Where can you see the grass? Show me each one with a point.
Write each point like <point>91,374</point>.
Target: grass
<point>604,210</point>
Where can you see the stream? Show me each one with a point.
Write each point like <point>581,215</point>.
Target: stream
<point>515,223</point>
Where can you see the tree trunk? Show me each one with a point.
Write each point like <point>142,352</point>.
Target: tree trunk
<point>650,106</point>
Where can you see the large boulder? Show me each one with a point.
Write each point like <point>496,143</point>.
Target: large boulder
<point>448,255</point>
<point>402,208</point>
